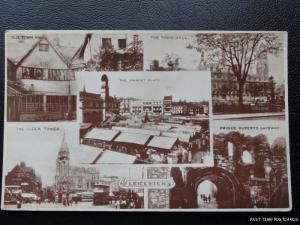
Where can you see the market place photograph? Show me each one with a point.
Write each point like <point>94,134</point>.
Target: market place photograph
<point>145,118</point>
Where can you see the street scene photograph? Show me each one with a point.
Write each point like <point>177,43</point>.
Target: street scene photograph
<point>51,177</point>
<point>41,69</point>
<point>145,118</point>
<point>248,69</point>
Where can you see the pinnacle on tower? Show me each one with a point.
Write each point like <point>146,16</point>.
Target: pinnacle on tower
<point>64,146</point>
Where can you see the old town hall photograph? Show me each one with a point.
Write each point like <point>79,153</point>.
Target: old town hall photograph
<point>41,66</point>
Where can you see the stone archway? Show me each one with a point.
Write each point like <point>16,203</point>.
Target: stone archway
<point>207,194</point>
<point>228,188</point>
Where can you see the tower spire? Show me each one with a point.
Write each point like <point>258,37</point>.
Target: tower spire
<point>62,179</point>
<point>64,146</point>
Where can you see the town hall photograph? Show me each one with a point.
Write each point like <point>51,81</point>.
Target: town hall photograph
<point>248,69</point>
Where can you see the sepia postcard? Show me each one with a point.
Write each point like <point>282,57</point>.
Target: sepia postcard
<point>146,121</point>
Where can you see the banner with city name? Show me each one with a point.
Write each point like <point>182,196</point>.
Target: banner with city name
<point>146,121</point>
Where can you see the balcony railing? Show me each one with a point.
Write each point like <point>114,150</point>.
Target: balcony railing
<point>40,107</point>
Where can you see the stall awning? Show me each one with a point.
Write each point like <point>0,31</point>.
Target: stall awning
<point>88,154</point>
<point>162,142</point>
<point>102,134</point>
<point>137,130</point>
<point>140,139</point>
<point>112,157</point>
<point>181,136</point>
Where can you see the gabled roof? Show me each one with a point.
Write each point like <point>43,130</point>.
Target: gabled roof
<point>16,50</point>
<point>17,53</point>
<point>136,130</point>
<point>112,157</point>
<point>131,138</point>
<point>102,134</point>
<point>181,136</point>
<point>162,142</point>
<point>88,154</point>
<point>80,51</point>
<point>67,52</point>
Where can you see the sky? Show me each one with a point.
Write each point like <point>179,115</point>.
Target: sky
<point>182,85</point>
<point>278,127</point>
<point>159,45</point>
<point>39,150</point>
<point>66,38</point>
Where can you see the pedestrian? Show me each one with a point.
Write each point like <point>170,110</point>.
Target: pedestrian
<point>184,156</point>
<point>189,156</point>
<point>118,204</point>
<point>19,201</point>
<point>163,158</point>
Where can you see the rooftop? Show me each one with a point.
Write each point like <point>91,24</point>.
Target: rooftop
<point>181,136</point>
<point>136,130</point>
<point>88,154</point>
<point>112,157</point>
<point>140,139</point>
<point>162,142</point>
<point>102,134</point>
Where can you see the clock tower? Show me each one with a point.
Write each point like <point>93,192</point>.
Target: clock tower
<point>62,179</point>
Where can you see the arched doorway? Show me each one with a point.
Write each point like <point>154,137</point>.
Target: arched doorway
<point>212,188</point>
<point>207,195</point>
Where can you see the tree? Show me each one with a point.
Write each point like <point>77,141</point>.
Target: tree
<point>236,52</point>
<point>109,59</point>
<point>134,58</point>
<point>259,143</point>
<point>172,61</point>
<point>279,146</point>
